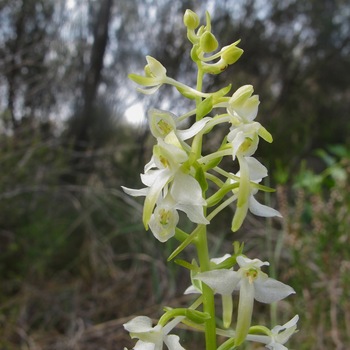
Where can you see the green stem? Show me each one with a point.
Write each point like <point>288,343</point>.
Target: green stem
<point>207,293</point>
<point>201,243</point>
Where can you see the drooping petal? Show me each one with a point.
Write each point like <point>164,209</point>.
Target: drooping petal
<point>220,281</point>
<point>269,290</point>
<point>259,209</point>
<point>245,310</point>
<point>186,190</point>
<point>227,308</point>
<point>242,195</point>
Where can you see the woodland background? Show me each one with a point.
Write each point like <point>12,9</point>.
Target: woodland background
<point>75,261</point>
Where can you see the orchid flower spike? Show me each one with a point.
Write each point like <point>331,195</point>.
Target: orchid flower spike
<point>252,284</point>
<point>153,338</point>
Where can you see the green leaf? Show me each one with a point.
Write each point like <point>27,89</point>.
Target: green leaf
<point>185,264</point>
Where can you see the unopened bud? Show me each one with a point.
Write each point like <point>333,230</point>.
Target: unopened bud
<point>231,54</point>
<point>208,42</point>
<point>191,19</point>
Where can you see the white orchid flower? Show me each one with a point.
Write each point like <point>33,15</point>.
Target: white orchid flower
<point>195,288</point>
<point>153,338</point>
<point>278,336</point>
<point>244,133</point>
<point>252,284</point>
<point>163,123</point>
<point>155,76</point>
<point>169,178</point>
<point>243,105</point>
<point>165,217</point>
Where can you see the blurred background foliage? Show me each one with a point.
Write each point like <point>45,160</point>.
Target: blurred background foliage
<point>75,262</point>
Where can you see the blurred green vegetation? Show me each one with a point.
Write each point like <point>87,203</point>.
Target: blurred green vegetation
<point>75,261</point>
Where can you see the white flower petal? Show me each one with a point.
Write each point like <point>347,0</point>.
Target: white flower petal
<point>186,190</point>
<point>136,192</point>
<point>276,346</point>
<point>220,281</point>
<point>193,130</point>
<point>156,67</point>
<point>141,345</point>
<point>163,222</point>
<point>291,323</point>
<point>151,176</point>
<point>173,342</point>
<point>218,261</point>
<point>161,122</point>
<point>151,164</point>
<point>194,213</point>
<point>257,171</point>
<point>138,324</point>
<point>153,195</point>
<point>243,261</point>
<point>192,290</point>
<point>269,290</point>
<point>259,209</point>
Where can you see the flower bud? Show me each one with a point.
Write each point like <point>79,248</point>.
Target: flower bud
<point>231,54</point>
<point>208,42</point>
<point>191,19</point>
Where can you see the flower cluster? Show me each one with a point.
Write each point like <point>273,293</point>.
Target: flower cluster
<point>179,177</point>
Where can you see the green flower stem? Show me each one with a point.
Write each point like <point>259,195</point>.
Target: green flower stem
<point>208,295</point>
<point>201,242</point>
